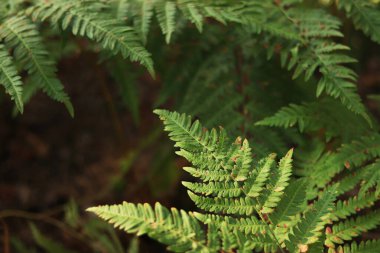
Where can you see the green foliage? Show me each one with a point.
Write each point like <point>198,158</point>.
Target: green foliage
<point>308,45</point>
<point>257,68</point>
<point>365,15</point>
<point>246,204</point>
<point>22,35</point>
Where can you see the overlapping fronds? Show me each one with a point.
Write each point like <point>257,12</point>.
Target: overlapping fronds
<point>365,16</point>
<point>249,205</point>
<point>170,13</point>
<point>177,229</point>
<point>327,115</point>
<point>316,51</point>
<point>9,78</point>
<point>91,19</point>
<point>21,35</point>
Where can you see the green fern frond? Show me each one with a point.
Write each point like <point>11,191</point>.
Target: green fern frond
<point>363,247</point>
<point>249,225</point>
<point>207,175</point>
<point>10,79</point>
<point>371,177</point>
<point>315,51</point>
<point>207,149</point>
<point>88,18</point>
<point>278,181</point>
<point>308,230</point>
<point>166,11</point>
<point>190,8</point>
<point>326,114</point>
<point>346,208</point>
<point>250,205</point>
<point>177,229</point>
<point>216,189</point>
<point>143,20</point>
<point>255,185</point>
<point>365,16</point>
<point>241,206</point>
<point>360,150</point>
<point>345,231</point>
<point>20,34</point>
<point>291,203</point>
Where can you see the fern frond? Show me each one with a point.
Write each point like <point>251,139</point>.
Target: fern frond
<point>308,230</point>
<point>166,11</point>
<point>249,225</point>
<point>269,199</point>
<point>87,18</point>
<point>360,150</point>
<point>346,208</point>
<point>349,229</point>
<point>191,9</point>
<point>371,177</point>
<point>326,114</point>
<point>255,185</point>
<point>365,16</point>
<point>207,150</point>
<point>177,229</point>
<point>363,247</point>
<point>10,79</point>
<point>315,51</point>
<point>216,189</point>
<point>143,20</point>
<point>291,203</point>
<point>241,206</point>
<point>22,35</point>
<point>208,175</point>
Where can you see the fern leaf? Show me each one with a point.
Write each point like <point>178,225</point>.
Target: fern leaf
<point>213,238</point>
<point>10,79</point>
<point>249,225</point>
<point>190,9</point>
<point>166,11</point>
<point>326,114</point>
<point>144,18</point>
<point>345,208</point>
<point>177,229</point>
<point>310,227</point>
<point>241,206</point>
<point>276,185</point>
<point>371,177</point>
<point>209,175</point>
<point>360,150</point>
<point>22,35</point>
<point>292,202</point>
<point>254,186</point>
<point>363,247</point>
<point>216,189</point>
<point>84,18</point>
<point>365,16</point>
<point>346,230</point>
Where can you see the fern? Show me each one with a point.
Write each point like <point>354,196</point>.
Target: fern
<point>178,229</point>
<point>309,229</point>
<point>327,115</point>
<point>83,19</point>
<point>10,79</point>
<point>365,16</point>
<point>345,231</point>
<point>239,198</point>
<point>22,35</point>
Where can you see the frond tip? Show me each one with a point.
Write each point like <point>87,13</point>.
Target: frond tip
<point>175,228</point>
<point>10,79</point>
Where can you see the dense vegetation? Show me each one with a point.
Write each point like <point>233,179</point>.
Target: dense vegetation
<point>281,74</point>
